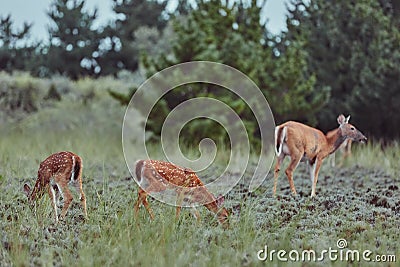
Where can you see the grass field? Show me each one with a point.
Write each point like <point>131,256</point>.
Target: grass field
<point>359,202</point>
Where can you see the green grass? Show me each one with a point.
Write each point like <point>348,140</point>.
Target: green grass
<point>358,202</point>
<point>374,156</point>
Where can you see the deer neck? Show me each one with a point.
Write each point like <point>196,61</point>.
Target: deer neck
<point>212,206</point>
<point>34,194</point>
<point>335,139</point>
<point>221,213</point>
<point>38,190</point>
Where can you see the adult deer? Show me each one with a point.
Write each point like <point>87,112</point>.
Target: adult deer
<point>304,143</point>
<point>157,176</point>
<point>55,174</point>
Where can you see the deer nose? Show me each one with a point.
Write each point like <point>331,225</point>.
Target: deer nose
<point>363,139</point>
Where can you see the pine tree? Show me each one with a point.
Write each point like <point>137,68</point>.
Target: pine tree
<point>120,52</point>
<point>231,33</point>
<point>73,41</point>
<point>352,47</point>
<point>15,52</point>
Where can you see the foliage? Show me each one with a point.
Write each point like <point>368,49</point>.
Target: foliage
<point>352,48</point>
<point>150,41</point>
<point>294,96</point>
<point>9,36</point>
<point>183,8</point>
<point>15,51</point>
<point>18,94</point>
<point>73,41</point>
<point>336,56</point>
<point>23,95</point>
<point>53,93</point>
<point>119,51</point>
<point>75,48</point>
<point>231,33</point>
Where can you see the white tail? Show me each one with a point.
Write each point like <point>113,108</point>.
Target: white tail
<point>304,143</point>
<point>154,176</point>
<point>54,175</point>
<point>280,135</point>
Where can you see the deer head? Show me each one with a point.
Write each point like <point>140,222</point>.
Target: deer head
<point>349,131</point>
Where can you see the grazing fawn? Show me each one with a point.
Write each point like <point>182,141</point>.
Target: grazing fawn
<point>55,174</point>
<point>304,143</point>
<point>156,176</point>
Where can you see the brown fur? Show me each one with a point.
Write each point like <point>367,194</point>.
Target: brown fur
<point>57,171</point>
<point>304,143</point>
<point>159,174</point>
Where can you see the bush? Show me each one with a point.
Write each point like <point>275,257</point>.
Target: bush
<point>19,93</point>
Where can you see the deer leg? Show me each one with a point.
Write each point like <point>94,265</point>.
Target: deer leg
<point>195,213</point>
<point>147,206</point>
<point>311,170</point>
<point>179,200</point>
<point>142,199</point>
<point>190,197</point>
<point>346,152</point>
<point>136,206</point>
<point>178,211</point>
<point>193,210</point>
<point>316,167</point>
<point>333,159</point>
<point>57,192</point>
<point>348,149</point>
<point>139,201</point>
<point>294,161</point>
<point>279,161</point>
<point>52,195</point>
<point>54,188</point>
<point>67,200</point>
<point>82,197</point>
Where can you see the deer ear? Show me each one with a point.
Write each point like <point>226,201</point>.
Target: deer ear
<point>341,119</point>
<point>27,189</point>
<point>347,119</point>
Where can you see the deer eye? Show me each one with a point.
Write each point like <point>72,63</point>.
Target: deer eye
<point>352,128</point>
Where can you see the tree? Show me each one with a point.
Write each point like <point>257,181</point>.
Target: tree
<point>231,33</point>
<point>15,53</point>
<point>73,41</point>
<point>118,47</point>
<point>352,47</point>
